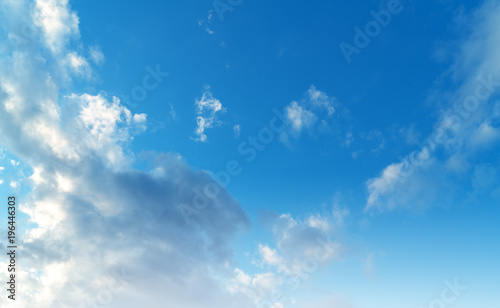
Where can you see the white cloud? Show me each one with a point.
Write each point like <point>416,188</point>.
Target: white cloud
<point>269,256</point>
<point>237,131</point>
<point>14,184</point>
<point>316,221</point>
<point>300,117</point>
<point>320,100</point>
<point>205,23</point>
<point>172,115</point>
<point>96,55</point>
<point>207,110</point>
<point>314,112</point>
<point>57,21</point>
<point>259,287</point>
<point>484,135</point>
<point>464,128</point>
<point>79,65</point>
<point>300,248</point>
<point>89,208</point>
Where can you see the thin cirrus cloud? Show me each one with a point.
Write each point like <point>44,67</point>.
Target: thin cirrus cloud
<point>465,127</point>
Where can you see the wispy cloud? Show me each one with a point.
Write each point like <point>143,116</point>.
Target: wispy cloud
<point>206,23</point>
<point>463,128</point>
<point>96,55</point>
<point>237,131</point>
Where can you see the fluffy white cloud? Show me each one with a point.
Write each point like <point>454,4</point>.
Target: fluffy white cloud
<point>299,249</point>
<point>269,256</point>
<point>314,112</point>
<point>207,110</point>
<point>58,23</point>
<point>299,117</point>
<point>79,65</point>
<point>100,231</point>
<point>321,100</point>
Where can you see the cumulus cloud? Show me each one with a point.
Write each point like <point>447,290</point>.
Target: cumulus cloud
<point>207,110</point>
<point>468,123</point>
<point>314,112</point>
<point>298,250</point>
<point>300,117</point>
<point>92,216</point>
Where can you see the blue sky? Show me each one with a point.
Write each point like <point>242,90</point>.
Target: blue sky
<point>234,154</point>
